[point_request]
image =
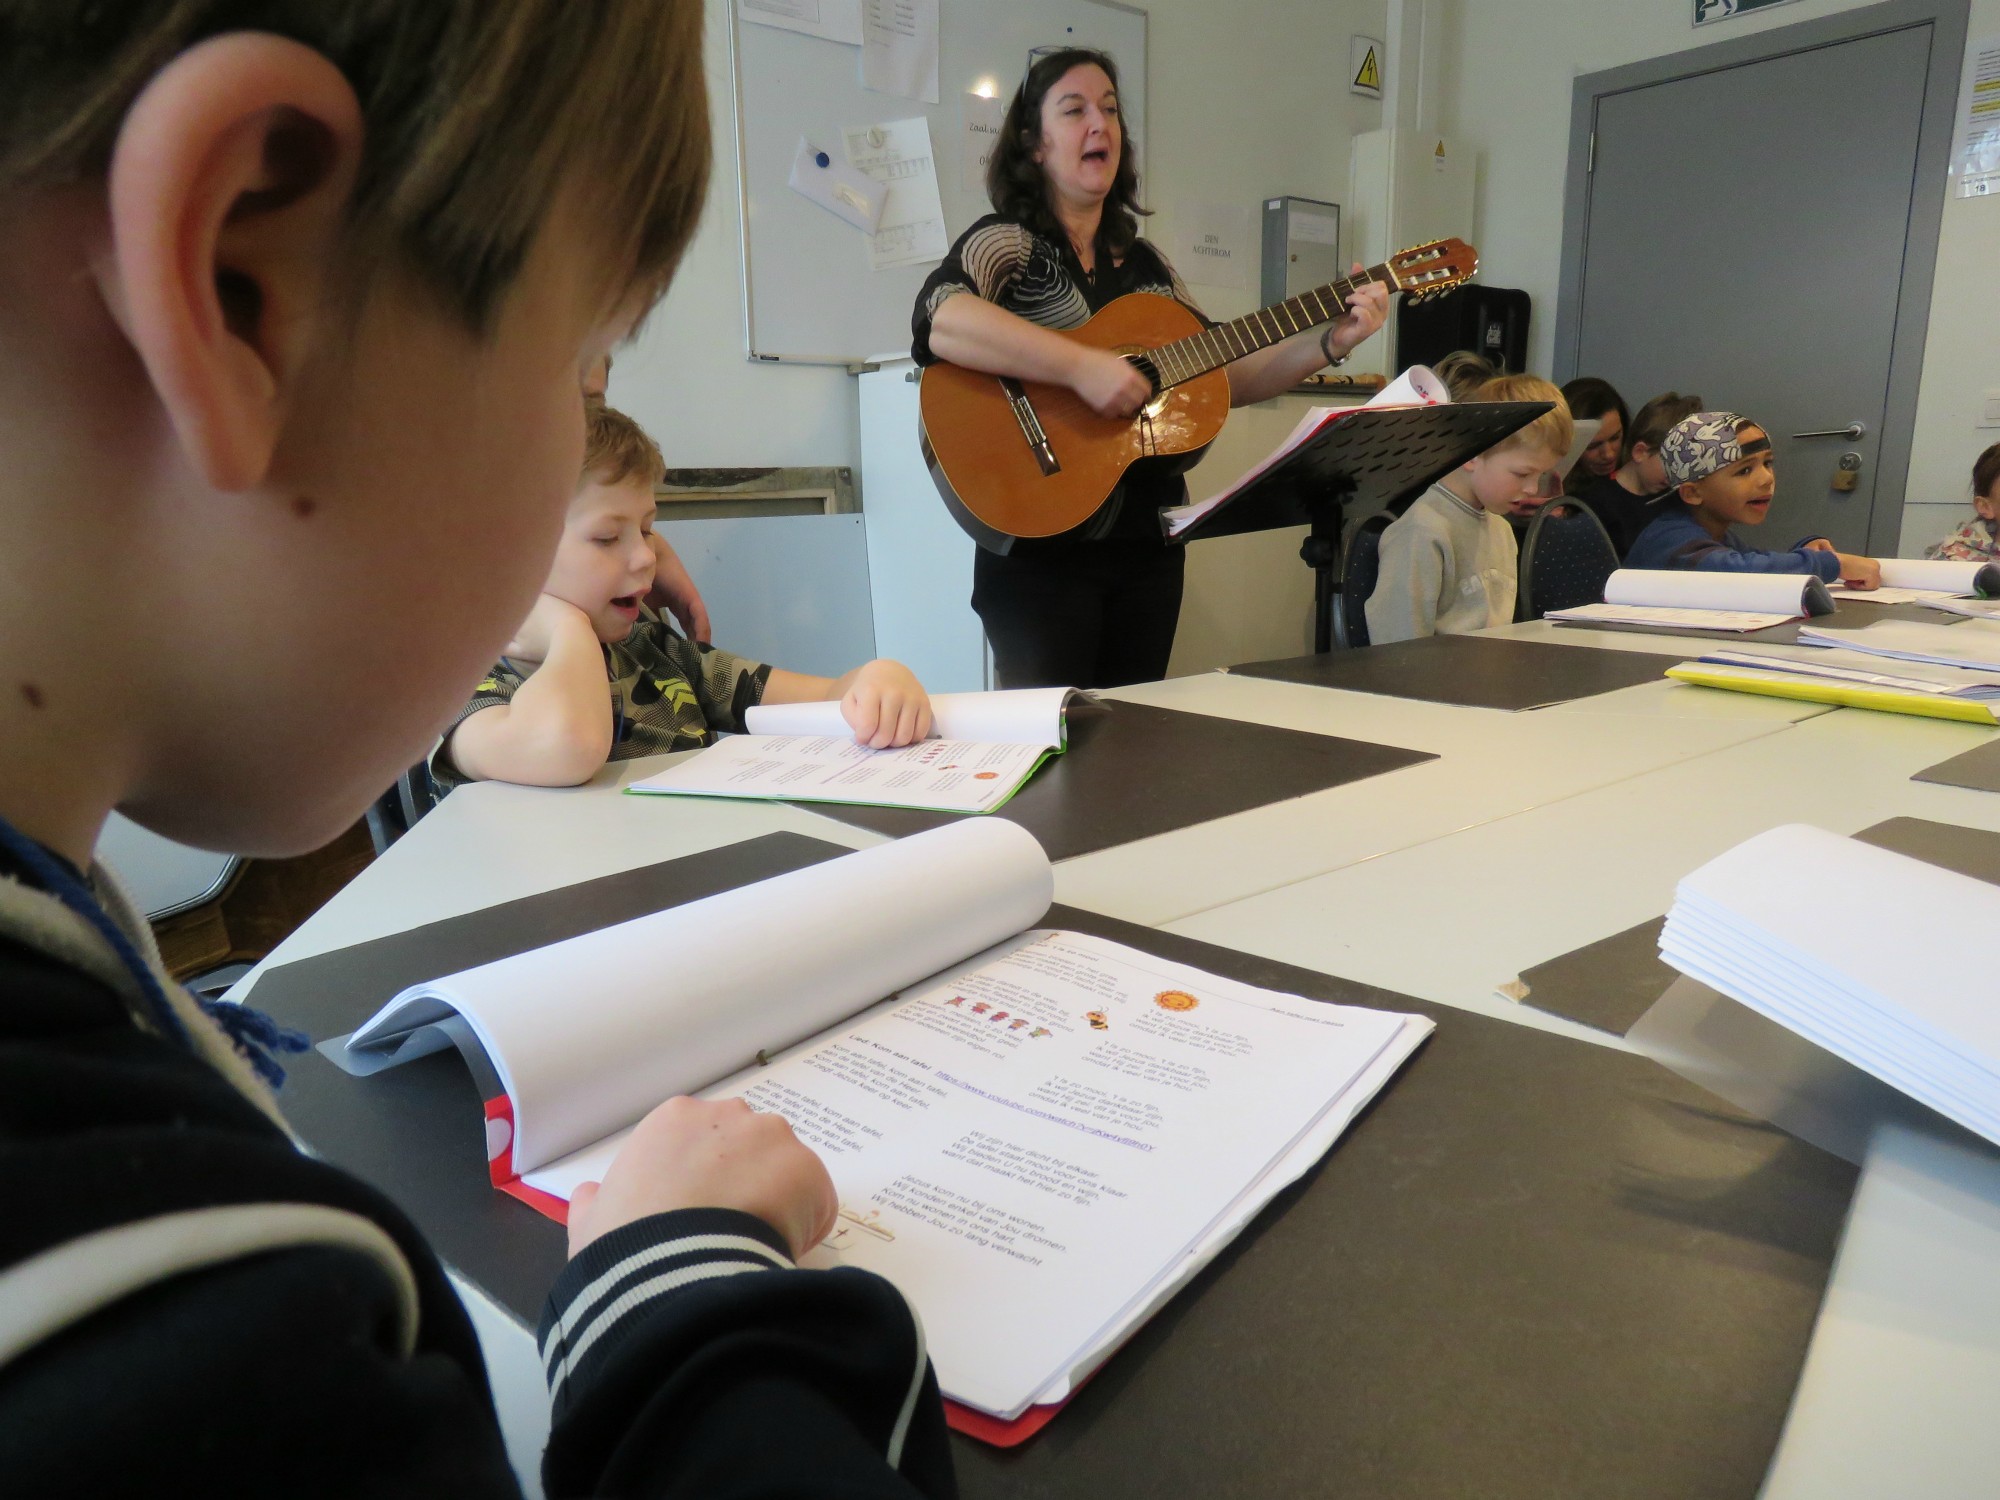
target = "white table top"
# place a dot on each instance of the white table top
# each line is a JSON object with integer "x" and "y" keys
{"x": 1516, "y": 891}
{"x": 1492, "y": 764}
{"x": 1533, "y": 834}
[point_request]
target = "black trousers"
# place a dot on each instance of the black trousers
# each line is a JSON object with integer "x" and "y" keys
{"x": 1080, "y": 614}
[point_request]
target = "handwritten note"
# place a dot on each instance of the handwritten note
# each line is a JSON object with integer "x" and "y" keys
{"x": 899, "y": 48}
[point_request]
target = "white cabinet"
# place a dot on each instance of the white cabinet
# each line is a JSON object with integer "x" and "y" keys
{"x": 919, "y": 562}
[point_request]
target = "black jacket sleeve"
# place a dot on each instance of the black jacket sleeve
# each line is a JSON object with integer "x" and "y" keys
{"x": 138, "y": 1358}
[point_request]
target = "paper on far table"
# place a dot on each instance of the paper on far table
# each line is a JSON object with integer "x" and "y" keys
{"x": 1787, "y": 594}
{"x": 1925, "y": 573}
{"x": 1887, "y": 595}
{"x": 899, "y": 48}
{"x": 829, "y": 20}
{"x": 897, "y": 153}
{"x": 937, "y": 775}
{"x": 1732, "y": 620}
{"x": 1976, "y": 643}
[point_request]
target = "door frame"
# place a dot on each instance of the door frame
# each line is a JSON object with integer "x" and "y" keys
{"x": 1948, "y": 21}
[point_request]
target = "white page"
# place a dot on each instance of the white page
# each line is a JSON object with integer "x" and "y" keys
{"x": 897, "y": 154}
{"x": 899, "y": 48}
{"x": 1922, "y": 573}
{"x": 1977, "y": 609}
{"x": 589, "y": 1034}
{"x": 1736, "y": 620}
{"x": 830, "y": 20}
{"x": 1976, "y": 643}
{"x": 1025, "y": 716}
{"x": 1885, "y": 595}
{"x": 1078, "y": 1163}
{"x": 1858, "y": 666}
{"x": 1686, "y": 588}
{"x": 935, "y": 775}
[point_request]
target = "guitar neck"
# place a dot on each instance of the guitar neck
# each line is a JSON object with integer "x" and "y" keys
{"x": 1215, "y": 347}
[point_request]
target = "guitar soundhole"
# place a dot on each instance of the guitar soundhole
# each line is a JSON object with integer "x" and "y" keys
{"x": 1143, "y": 363}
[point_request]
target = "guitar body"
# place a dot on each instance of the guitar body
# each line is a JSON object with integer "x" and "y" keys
{"x": 992, "y": 474}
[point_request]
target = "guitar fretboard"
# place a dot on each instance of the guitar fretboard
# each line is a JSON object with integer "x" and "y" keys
{"x": 1212, "y": 348}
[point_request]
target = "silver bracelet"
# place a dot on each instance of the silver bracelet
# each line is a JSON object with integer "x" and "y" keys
{"x": 1326, "y": 348}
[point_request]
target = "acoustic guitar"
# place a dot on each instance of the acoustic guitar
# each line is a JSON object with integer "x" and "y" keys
{"x": 1016, "y": 458}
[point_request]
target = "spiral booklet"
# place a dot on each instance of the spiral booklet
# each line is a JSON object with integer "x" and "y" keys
{"x": 1038, "y": 1136}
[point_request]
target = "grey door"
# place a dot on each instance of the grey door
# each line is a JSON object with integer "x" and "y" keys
{"x": 1746, "y": 232}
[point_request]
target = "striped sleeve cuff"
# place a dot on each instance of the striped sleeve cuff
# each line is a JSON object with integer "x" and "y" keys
{"x": 633, "y": 1267}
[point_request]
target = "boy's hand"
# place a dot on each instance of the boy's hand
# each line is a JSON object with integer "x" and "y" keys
{"x": 885, "y": 705}
{"x": 691, "y": 1153}
{"x": 1859, "y": 572}
{"x": 546, "y": 621}
{"x": 673, "y": 590}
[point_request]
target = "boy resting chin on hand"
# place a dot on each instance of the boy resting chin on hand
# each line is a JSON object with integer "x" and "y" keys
{"x": 594, "y": 674}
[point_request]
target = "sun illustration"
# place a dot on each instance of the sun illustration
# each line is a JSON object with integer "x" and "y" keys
{"x": 1175, "y": 1000}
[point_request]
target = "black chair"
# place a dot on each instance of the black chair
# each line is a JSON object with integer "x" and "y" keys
{"x": 396, "y": 811}
{"x": 1357, "y": 580}
{"x": 1565, "y": 560}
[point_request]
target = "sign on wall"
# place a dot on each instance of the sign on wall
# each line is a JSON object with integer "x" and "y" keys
{"x": 1726, "y": 10}
{"x": 1364, "y": 66}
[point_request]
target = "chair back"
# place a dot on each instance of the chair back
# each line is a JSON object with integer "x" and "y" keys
{"x": 1358, "y": 571}
{"x": 1565, "y": 560}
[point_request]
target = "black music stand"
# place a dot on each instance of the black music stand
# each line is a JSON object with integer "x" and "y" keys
{"x": 1371, "y": 455}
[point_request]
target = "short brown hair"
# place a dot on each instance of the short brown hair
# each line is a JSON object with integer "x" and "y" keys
{"x": 477, "y": 114}
{"x": 1659, "y": 417}
{"x": 616, "y": 448}
{"x": 1552, "y": 430}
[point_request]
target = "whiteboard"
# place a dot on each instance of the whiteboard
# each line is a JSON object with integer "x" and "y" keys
{"x": 808, "y": 293}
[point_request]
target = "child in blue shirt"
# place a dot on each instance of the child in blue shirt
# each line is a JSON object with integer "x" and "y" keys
{"x": 1719, "y": 465}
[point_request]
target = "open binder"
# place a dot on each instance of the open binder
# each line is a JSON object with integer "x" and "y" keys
{"x": 1365, "y": 458}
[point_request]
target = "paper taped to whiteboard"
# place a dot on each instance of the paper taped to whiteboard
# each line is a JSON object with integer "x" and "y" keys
{"x": 837, "y": 187}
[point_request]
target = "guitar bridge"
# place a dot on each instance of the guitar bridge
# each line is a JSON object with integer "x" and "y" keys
{"x": 1031, "y": 426}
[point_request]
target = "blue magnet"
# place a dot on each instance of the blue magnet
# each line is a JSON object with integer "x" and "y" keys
{"x": 823, "y": 159}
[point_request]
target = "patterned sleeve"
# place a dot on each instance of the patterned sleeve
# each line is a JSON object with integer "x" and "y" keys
{"x": 496, "y": 689}
{"x": 726, "y": 686}
{"x": 986, "y": 261}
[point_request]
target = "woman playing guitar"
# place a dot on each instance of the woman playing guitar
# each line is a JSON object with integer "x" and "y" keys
{"x": 1095, "y": 606}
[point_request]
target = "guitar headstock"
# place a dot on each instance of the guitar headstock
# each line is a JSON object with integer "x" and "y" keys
{"x": 1425, "y": 270}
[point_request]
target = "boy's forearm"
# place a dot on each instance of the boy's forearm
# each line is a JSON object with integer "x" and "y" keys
{"x": 803, "y": 687}
{"x": 555, "y": 731}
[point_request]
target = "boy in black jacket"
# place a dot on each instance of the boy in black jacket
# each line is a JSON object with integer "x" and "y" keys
{"x": 295, "y": 296}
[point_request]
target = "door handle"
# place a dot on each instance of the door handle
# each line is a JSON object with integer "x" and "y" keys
{"x": 1853, "y": 432}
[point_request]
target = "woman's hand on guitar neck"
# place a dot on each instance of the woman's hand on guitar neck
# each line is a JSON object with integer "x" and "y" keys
{"x": 1110, "y": 383}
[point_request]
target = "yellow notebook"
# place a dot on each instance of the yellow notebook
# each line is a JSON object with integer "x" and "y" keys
{"x": 1827, "y": 690}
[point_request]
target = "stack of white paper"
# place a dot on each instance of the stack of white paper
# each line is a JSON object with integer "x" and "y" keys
{"x": 1974, "y": 644}
{"x": 1881, "y": 959}
{"x": 1837, "y": 665}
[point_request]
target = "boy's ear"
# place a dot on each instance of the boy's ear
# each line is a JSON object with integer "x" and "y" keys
{"x": 227, "y": 192}
{"x": 1690, "y": 493}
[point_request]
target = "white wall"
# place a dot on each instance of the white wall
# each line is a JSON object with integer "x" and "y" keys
{"x": 1507, "y": 72}
{"x": 1246, "y": 99}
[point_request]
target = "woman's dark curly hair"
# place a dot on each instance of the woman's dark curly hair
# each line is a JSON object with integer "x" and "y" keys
{"x": 1015, "y": 181}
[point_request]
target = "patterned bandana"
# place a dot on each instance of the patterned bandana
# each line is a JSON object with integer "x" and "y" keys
{"x": 1704, "y": 444}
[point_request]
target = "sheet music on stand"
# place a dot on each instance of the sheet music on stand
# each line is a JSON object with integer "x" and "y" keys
{"x": 1367, "y": 458}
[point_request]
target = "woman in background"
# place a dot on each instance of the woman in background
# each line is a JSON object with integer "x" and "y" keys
{"x": 1096, "y": 606}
